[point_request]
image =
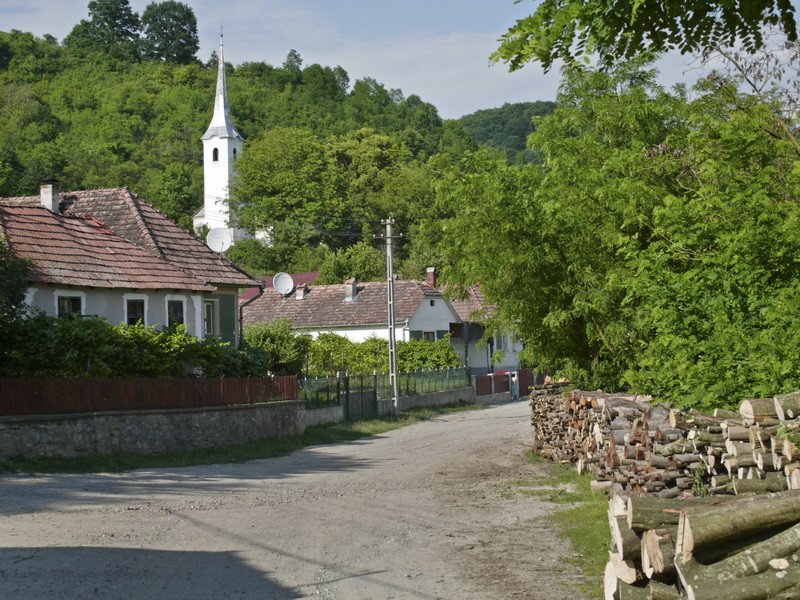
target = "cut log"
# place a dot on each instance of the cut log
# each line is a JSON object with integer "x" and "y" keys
{"x": 658, "y": 551}
{"x": 651, "y": 513}
{"x": 610, "y": 583}
{"x": 625, "y": 570}
{"x": 758, "y": 409}
{"x": 707, "y": 525}
{"x": 760, "y": 486}
{"x": 787, "y": 406}
{"x": 662, "y": 591}
{"x": 626, "y": 542}
{"x": 728, "y": 415}
{"x": 707, "y": 582}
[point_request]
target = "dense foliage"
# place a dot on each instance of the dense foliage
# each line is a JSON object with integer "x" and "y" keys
{"x": 13, "y": 271}
{"x": 331, "y": 353}
{"x": 507, "y": 128}
{"x": 326, "y": 158}
{"x": 293, "y": 352}
{"x": 655, "y": 248}
{"x": 624, "y": 29}
{"x": 42, "y": 346}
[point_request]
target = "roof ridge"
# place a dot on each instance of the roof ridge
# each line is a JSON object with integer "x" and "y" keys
{"x": 142, "y": 224}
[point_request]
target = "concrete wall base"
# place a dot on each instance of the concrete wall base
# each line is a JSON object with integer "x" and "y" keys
{"x": 148, "y": 431}
{"x": 321, "y": 416}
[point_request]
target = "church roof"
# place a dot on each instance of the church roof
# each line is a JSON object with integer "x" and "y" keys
{"x": 130, "y": 217}
{"x": 221, "y": 122}
{"x": 81, "y": 251}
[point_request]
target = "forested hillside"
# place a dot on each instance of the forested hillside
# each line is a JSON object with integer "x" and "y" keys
{"x": 507, "y": 128}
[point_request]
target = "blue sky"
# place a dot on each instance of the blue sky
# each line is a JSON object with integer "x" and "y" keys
{"x": 437, "y": 49}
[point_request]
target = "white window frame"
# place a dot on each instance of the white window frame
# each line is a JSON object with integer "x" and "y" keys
{"x": 126, "y": 297}
{"x": 172, "y": 298}
{"x": 429, "y": 336}
{"x": 215, "y": 329}
{"x": 58, "y": 293}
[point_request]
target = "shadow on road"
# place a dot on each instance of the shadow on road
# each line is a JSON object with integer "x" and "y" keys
{"x": 130, "y": 574}
{"x": 32, "y": 493}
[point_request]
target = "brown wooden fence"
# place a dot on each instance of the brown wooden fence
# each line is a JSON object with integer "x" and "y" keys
{"x": 45, "y": 396}
{"x": 483, "y": 385}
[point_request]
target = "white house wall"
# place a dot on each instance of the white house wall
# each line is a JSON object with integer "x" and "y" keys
{"x": 111, "y": 305}
{"x": 432, "y": 318}
{"x": 360, "y": 334}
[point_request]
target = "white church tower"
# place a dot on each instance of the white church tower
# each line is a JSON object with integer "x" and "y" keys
{"x": 221, "y": 146}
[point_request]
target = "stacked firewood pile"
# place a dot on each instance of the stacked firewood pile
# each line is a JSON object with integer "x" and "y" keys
{"x": 634, "y": 446}
{"x": 725, "y": 548}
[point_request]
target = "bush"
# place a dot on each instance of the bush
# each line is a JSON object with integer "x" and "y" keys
{"x": 43, "y": 346}
{"x": 331, "y": 353}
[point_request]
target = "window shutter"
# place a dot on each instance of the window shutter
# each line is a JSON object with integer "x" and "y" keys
{"x": 416, "y": 334}
{"x": 440, "y": 333}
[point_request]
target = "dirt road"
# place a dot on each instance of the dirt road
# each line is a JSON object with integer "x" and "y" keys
{"x": 414, "y": 513}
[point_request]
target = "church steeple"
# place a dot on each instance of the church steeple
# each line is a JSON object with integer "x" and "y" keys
{"x": 222, "y": 144}
{"x": 221, "y": 123}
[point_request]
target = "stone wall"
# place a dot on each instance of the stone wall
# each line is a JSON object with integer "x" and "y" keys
{"x": 148, "y": 431}
{"x": 465, "y": 394}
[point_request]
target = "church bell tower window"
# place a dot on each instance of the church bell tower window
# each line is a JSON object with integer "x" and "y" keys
{"x": 215, "y": 154}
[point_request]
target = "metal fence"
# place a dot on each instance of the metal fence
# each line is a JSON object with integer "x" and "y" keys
{"x": 47, "y": 395}
{"x": 322, "y": 392}
{"x": 424, "y": 382}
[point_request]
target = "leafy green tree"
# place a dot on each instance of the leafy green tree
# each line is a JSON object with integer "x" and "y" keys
{"x": 622, "y": 30}
{"x": 112, "y": 28}
{"x": 13, "y": 285}
{"x": 287, "y": 178}
{"x": 362, "y": 261}
{"x": 543, "y": 241}
{"x": 287, "y": 349}
{"x": 169, "y": 32}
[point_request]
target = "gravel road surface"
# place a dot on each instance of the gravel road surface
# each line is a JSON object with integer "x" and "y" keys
{"x": 414, "y": 513}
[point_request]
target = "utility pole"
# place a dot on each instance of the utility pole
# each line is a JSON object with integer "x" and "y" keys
{"x": 390, "y": 302}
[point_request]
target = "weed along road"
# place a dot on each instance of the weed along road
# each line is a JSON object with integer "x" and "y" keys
{"x": 414, "y": 513}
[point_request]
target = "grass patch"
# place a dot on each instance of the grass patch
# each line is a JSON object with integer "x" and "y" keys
{"x": 268, "y": 448}
{"x": 584, "y": 523}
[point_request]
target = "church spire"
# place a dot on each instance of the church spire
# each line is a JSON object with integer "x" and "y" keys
{"x": 221, "y": 123}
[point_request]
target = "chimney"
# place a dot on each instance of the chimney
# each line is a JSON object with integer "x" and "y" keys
{"x": 49, "y": 196}
{"x": 301, "y": 291}
{"x": 431, "y": 277}
{"x": 350, "y": 289}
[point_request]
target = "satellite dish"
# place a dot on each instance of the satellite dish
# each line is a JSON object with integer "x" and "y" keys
{"x": 219, "y": 239}
{"x": 284, "y": 283}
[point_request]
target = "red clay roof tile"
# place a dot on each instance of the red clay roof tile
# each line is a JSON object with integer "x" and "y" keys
{"x": 75, "y": 251}
{"x": 325, "y": 305}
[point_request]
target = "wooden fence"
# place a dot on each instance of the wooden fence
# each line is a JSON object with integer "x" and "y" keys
{"x": 45, "y": 396}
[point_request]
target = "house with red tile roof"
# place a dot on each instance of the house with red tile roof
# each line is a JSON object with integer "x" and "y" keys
{"x": 357, "y": 310}
{"x": 110, "y": 253}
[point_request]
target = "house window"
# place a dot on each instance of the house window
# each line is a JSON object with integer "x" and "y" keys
{"x": 500, "y": 343}
{"x": 215, "y": 154}
{"x": 211, "y": 317}
{"x": 175, "y": 313}
{"x": 134, "y": 312}
{"x": 69, "y": 306}
{"x": 429, "y": 336}
{"x": 433, "y": 302}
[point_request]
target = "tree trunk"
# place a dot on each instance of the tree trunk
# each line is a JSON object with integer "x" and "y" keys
{"x": 703, "y": 582}
{"x": 711, "y": 524}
